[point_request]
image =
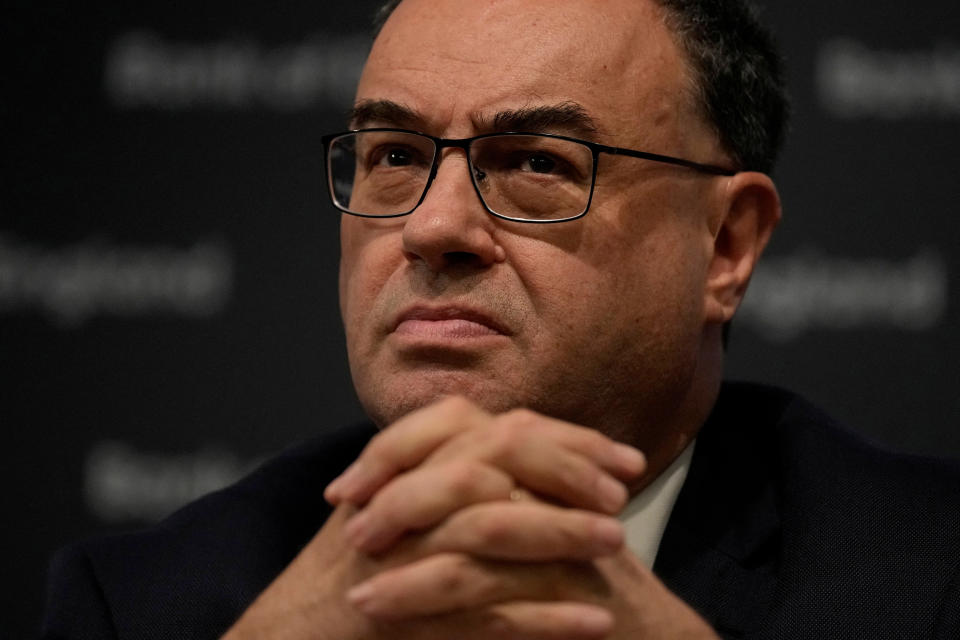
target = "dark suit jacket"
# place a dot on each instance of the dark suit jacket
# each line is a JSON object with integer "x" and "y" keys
{"x": 786, "y": 527}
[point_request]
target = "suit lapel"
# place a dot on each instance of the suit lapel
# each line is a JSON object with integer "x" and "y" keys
{"x": 720, "y": 548}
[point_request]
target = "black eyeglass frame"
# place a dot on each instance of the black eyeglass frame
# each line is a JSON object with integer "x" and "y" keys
{"x": 440, "y": 144}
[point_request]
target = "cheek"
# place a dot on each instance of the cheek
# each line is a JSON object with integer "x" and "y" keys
{"x": 367, "y": 260}
{"x": 649, "y": 281}
{"x": 676, "y": 279}
{"x": 666, "y": 247}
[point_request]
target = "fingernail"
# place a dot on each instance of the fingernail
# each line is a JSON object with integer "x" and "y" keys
{"x": 612, "y": 494}
{"x": 361, "y": 594}
{"x": 609, "y": 533}
{"x": 629, "y": 458}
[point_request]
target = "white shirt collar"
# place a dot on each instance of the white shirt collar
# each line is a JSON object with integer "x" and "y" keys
{"x": 645, "y": 516}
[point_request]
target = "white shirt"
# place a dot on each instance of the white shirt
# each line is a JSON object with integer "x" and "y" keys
{"x": 645, "y": 516}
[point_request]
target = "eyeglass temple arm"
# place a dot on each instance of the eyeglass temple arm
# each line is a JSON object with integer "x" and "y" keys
{"x": 656, "y": 157}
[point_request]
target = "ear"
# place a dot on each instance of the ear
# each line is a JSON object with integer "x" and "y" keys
{"x": 749, "y": 210}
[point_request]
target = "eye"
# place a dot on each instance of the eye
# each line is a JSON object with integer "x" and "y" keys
{"x": 539, "y": 163}
{"x": 396, "y": 157}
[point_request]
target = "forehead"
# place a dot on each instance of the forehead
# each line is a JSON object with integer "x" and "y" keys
{"x": 454, "y": 60}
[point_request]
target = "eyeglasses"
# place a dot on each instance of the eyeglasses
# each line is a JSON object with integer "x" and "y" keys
{"x": 526, "y": 177}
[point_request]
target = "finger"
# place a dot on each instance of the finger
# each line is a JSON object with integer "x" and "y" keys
{"x": 526, "y": 531}
{"x": 455, "y": 427}
{"x": 422, "y": 498}
{"x": 401, "y": 446}
{"x": 514, "y": 620}
{"x": 532, "y": 455}
{"x": 621, "y": 460}
{"x": 550, "y": 621}
{"x": 444, "y": 583}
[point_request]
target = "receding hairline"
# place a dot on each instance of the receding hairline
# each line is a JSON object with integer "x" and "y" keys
{"x": 733, "y": 84}
{"x": 690, "y": 86}
{"x": 689, "y": 83}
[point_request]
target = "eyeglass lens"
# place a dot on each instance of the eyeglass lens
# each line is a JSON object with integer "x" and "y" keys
{"x": 526, "y": 177}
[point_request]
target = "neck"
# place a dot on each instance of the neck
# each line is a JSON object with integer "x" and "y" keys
{"x": 692, "y": 411}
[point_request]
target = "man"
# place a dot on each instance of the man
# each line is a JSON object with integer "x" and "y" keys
{"x": 552, "y": 211}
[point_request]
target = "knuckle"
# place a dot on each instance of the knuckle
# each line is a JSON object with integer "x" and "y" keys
{"x": 455, "y": 405}
{"x": 491, "y": 530}
{"x": 576, "y": 476}
{"x": 506, "y": 434}
{"x": 465, "y": 478}
{"x": 523, "y": 418}
{"x": 453, "y": 575}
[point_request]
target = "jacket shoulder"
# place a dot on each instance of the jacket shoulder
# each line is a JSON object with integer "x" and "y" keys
{"x": 862, "y": 537}
{"x": 192, "y": 574}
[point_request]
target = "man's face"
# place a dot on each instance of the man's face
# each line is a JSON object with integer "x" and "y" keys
{"x": 598, "y": 320}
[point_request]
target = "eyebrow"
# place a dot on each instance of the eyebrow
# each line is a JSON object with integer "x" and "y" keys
{"x": 384, "y": 112}
{"x": 567, "y": 117}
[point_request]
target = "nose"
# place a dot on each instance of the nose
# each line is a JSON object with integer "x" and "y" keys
{"x": 451, "y": 227}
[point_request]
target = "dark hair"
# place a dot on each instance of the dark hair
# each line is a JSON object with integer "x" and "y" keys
{"x": 738, "y": 75}
{"x": 737, "y": 71}
{"x": 380, "y": 17}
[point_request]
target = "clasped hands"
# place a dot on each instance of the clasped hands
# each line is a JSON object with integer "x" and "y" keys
{"x": 455, "y": 523}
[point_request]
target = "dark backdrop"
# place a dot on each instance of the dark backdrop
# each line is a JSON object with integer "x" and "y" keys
{"x": 168, "y": 259}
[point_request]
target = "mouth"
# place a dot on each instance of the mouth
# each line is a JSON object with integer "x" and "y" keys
{"x": 446, "y": 323}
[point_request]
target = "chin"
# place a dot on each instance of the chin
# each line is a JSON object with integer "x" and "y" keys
{"x": 385, "y": 403}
